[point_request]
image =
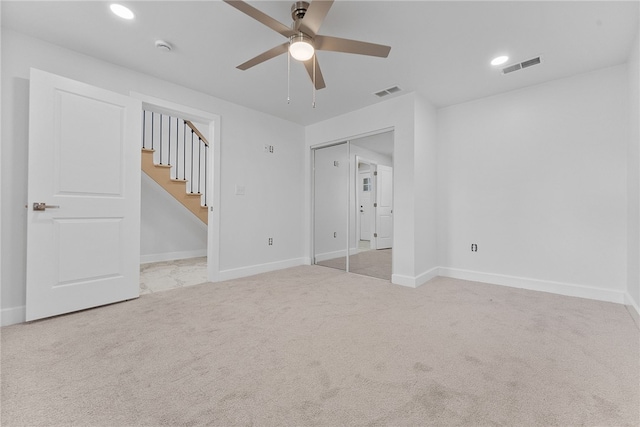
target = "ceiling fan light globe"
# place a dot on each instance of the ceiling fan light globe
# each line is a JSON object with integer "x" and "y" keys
{"x": 301, "y": 50}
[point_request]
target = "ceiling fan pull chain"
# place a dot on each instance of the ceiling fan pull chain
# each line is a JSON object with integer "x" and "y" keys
{"x": 288, "y": 78}
{"x": 314, "y": 81}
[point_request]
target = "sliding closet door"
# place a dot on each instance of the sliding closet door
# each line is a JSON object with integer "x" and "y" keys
{"x": 371, "y": 236}
{"x": 331, "y": 205}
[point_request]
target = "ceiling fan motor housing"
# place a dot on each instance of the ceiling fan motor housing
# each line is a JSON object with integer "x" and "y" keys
{"x": 299, "y": 9}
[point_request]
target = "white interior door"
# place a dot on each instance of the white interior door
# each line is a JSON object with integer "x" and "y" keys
{"x": 384, "y": 207}
{"x": 365, "y": 187}
{"x": 84, "y": 161}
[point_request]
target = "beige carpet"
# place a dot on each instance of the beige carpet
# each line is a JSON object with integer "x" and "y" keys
{"x": 373, "y": 263}
{"x": 312, "y": 346}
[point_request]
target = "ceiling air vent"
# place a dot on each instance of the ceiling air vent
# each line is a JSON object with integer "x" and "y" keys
{"x": 531, "y": 62}
{"x": 526, "y": 64}
{"x": 511, "y": 69}
{"x": 388, "y": 91}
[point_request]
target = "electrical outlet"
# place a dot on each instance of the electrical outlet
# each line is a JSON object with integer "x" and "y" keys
{"x": 270, "y": 241}
{"x": 474, "y": 247}
{"x": 268, "y": 149}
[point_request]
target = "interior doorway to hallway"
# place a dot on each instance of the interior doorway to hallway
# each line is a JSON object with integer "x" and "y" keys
{"x": 178, "y": 226}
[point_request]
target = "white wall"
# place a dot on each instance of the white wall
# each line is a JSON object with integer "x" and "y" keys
{"x": 168, "y": 230}
{"x": 633, "y": 180}
{"x": 537, "y": 179}
{"x": 365, "y": 153}
{"x": 271, "y": 207}
{"x": 425, "y": 188}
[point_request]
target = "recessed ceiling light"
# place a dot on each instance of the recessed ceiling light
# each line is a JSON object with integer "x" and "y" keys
{"x": 499, "y": 60}
{"x": 121, "y": 11}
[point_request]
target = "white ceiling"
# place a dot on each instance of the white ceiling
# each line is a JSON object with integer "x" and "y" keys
{"x": 439, "y": 49}
{"x": 381, "y": 143}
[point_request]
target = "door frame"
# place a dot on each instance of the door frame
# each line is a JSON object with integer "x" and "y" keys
{"x": 376, "y": 186}
{"x": 213, "y": 180}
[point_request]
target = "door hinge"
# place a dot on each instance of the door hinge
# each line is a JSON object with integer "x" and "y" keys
{"x": 375, "y": 234}
{"x": 375, "y": 173}
{"x": 375, "y": 205}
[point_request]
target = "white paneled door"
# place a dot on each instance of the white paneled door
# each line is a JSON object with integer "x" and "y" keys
{"x": 83, "y": 240}
{"x": 384, "y": 207}
{"x": 365, "y": 209}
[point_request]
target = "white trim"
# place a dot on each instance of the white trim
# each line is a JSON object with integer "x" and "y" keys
{"x": 331, "y": 255}
{"x": 214, "y": 189}
{"x": 349, "y": 138}
{"x": 568, "y": 289}
{"x": 13, "y": 315}
{"x": 399, "y": 279}
{"x": 632, "y": 308}
{"x": 414, "y": 282}
{"x": 336, "y": 254}
{"x": 251, "y": 270}
{"x": 171, "y": 256}
{"x": 164, "y": 106}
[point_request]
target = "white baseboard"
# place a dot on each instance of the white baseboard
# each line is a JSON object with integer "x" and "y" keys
{"x": 236, "y": 273}
{"x": 568, "y": 289}
{"x": 632, "y": 308}
{"x": 336, "y": 254}
{"x": 13, "y": 315}
{"x": 170, "y": 256}
{"x": 330, "y": 255}
{"x": 414, "y": 282}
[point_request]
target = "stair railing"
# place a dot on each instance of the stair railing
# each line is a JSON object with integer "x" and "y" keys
{"x": 178, "y": 144}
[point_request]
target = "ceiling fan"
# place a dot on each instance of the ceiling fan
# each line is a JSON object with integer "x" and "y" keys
{"x": 303, "y": 37}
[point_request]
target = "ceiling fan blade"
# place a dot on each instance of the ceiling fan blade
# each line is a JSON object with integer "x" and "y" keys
{"x": 271, "y": 53}
{"x": 335, "y": 44}
{"x": 261, "y": 17}
{"x": 319, "y": 79}
{"x": 314, "y": 17}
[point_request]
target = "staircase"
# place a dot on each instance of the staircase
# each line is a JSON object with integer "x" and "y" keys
{"x": 174, "y": 154}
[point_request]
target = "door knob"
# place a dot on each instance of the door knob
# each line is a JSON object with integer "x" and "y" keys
{"x": 43, "y": 206}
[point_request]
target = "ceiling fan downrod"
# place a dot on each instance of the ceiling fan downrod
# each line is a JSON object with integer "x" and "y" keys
{"x": 298, "y": 10}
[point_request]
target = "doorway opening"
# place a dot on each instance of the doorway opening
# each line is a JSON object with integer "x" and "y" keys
{"x": 353, "y": 205}
{"x": 179, "y": 155}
